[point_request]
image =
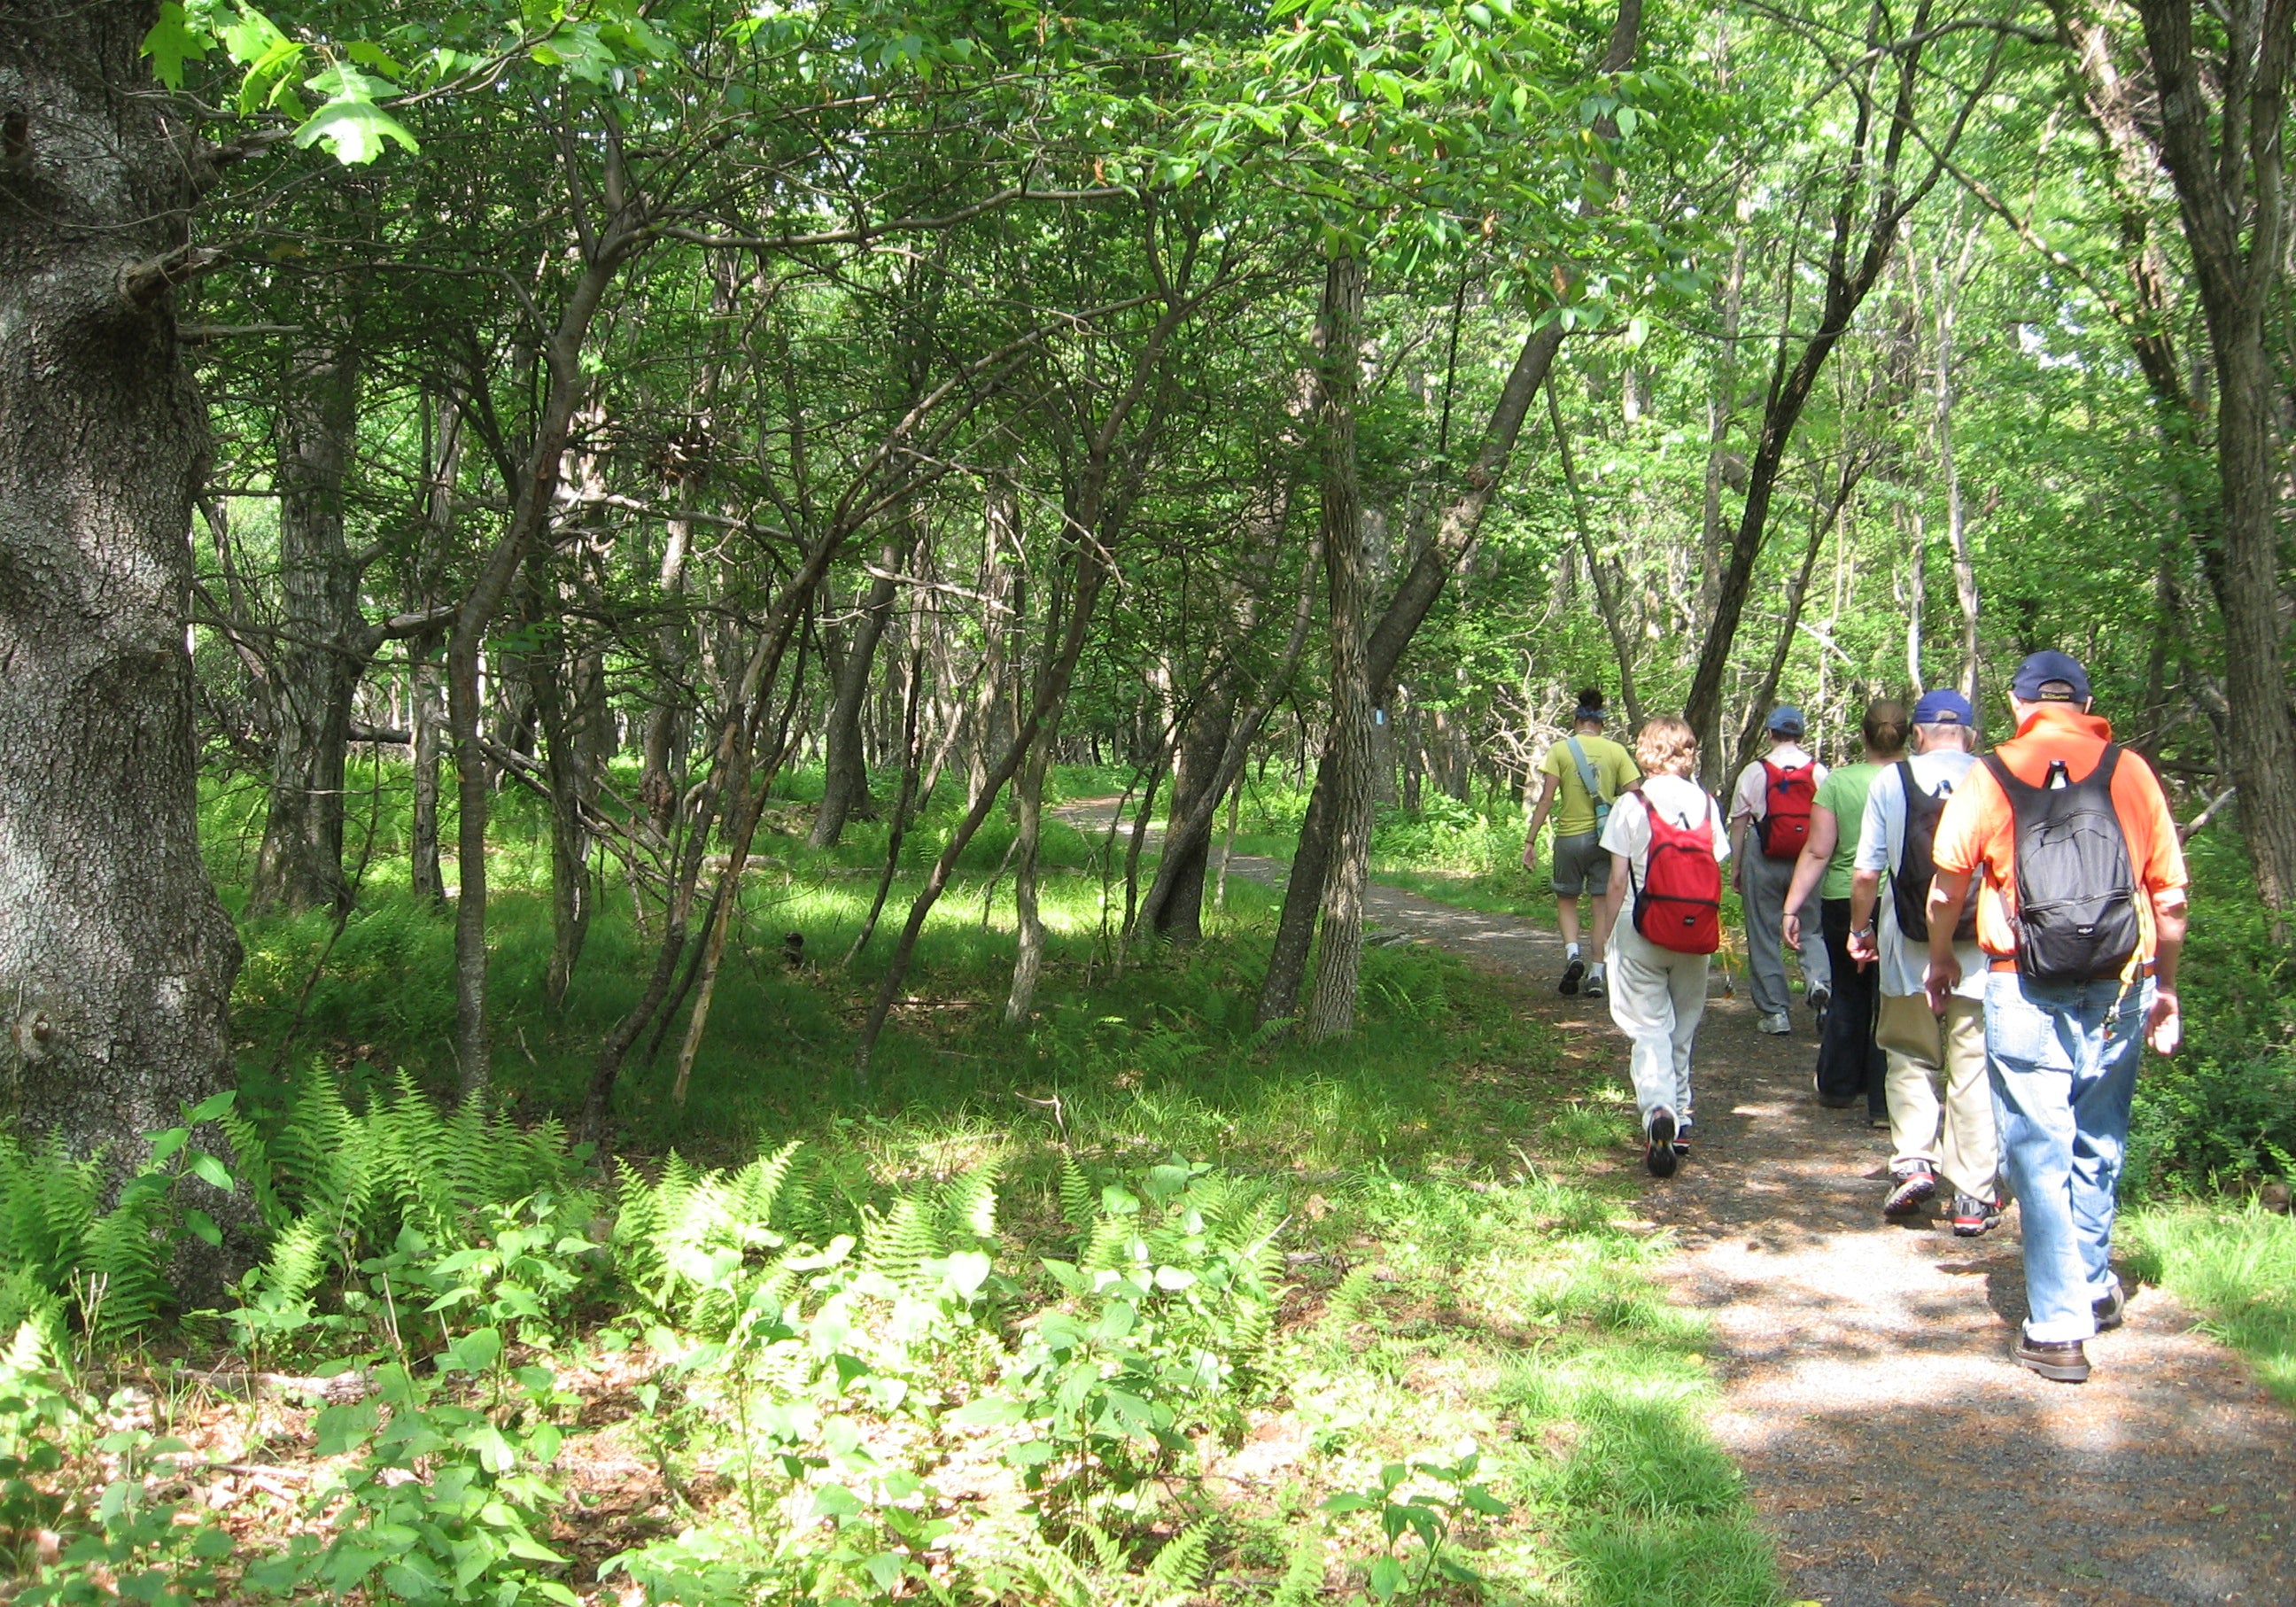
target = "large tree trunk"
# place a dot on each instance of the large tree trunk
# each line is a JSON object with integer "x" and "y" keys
{"x": 116, "y": 959}
{"x": 1348, "y": 755}
{"x": 845, "y": 775}
{"x": 2229, "y": 178}
{"x": 324, "y": 642}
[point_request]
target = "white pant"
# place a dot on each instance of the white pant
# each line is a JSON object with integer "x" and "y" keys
{"x": 1657, "y": 997}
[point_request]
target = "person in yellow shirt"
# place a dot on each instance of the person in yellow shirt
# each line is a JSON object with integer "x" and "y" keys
{"x": 1585, "y": 772}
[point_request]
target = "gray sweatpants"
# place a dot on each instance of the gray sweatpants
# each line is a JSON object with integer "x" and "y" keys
{"x": 1762, "y": 885}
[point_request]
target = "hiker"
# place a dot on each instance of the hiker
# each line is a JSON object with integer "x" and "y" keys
{"x": 1771, "y": 803}
{"x": 1849, "y": 1066}
{"x": 2081, "y": 915}
{"x": 1667, "y": 841}
{"x": 1586, "y": 773}
{"x": 1927, "y": 1139}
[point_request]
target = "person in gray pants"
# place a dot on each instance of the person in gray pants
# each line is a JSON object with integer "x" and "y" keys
{"x": 1763, "y": 877}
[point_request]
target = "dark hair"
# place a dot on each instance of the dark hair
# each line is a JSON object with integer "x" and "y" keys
{"x": 1590, "y": 697}
{"x": 1885, "y": 725}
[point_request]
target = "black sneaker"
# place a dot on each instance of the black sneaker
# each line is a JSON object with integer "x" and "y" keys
{"x": 1819, "y": 997}
{"x": 1595, "y": 989}
{"x": 1658, "y": 1151}
{"x": 1572, "y": 973}
{"x": 2063, "y": 1360}
{"x": 1909, "y": 1191}
{"x": 1972, "y": 1217}
{"x": 2111, "y": 1309}
{"x": 1681, "y": 1140}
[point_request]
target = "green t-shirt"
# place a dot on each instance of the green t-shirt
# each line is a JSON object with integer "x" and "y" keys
{"x": 1843, "y": 791}
{"x": 1614, "y": 772}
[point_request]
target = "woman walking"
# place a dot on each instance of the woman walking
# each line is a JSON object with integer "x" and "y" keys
{"x": 1851, "y": 1065}
{"x": 1667, "y": 840}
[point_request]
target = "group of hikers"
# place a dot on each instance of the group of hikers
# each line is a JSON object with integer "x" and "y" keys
{"x": 1995, "y": 939}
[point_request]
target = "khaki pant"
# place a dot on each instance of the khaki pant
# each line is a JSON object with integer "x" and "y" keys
{"x": 1656, "y": 999}
{"x": 1922, "y": 1051}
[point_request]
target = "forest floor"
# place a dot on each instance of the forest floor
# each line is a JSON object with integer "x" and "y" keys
{"x": 1896, "y": 1452}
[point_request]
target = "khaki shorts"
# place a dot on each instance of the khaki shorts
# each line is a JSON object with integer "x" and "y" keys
{"x": 1582, "y": 864}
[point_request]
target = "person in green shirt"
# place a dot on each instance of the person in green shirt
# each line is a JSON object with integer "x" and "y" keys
{"x": 1850, "y": 1062}
{"x": 1585, "y": 774}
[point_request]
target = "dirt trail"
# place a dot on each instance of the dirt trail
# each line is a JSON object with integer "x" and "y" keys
{"x": 1898, "y": 1455}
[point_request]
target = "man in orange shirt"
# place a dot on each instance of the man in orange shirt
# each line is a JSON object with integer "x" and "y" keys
{"x": 2081, "y": 917}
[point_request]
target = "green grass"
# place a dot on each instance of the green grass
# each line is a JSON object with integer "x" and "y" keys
{"x": 1457, "y": 1202}
{"x": 2236, "y": 1266}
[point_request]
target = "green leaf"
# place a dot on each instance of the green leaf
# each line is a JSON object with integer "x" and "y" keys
{"x": 1386, "y": 1578}
{"x": 171, "y": 43}
{"x": 988, "y": 1412}
{"x": 210, "y": 1172}
{"x": 167, "y": 1143}
{"x": 202, "y": 1227}
{"x": 354, "y": 131}
{"x": 211, "y": 1107}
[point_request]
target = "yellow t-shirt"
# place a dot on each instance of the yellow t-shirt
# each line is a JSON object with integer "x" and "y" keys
{"x": 1614, "y": 771}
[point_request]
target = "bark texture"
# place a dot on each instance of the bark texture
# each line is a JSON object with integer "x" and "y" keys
{"x": 2228, "y": 162}
{"x": 116, "y": 959}
{"x": 1348, "y": 756}
{"x": 324, "y": 642}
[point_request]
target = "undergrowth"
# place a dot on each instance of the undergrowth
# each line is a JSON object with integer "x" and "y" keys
{"x": 1137, "y": 1305}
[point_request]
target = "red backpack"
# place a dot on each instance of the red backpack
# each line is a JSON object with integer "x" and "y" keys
{"x": 1679, "y": 903}
{"x": 1785, "y": 810}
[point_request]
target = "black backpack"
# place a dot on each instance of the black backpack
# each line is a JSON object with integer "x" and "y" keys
{"x": 2076, "y": 917}
{"x": 1909, "y": 884}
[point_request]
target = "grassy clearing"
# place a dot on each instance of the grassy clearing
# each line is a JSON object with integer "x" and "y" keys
{"x": 1132, "y": 1306}
{"x": 2236, "y": 1266}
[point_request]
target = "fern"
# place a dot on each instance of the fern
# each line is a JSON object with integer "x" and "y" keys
{"x": 1079, "y": 1196}
{"x": 1178, "y": 1565}
{"x": 1302, "y": 1584}
{"x": 897, "y": 1244}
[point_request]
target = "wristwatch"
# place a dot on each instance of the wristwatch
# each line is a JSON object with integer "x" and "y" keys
{"x": 1861, "y": 931}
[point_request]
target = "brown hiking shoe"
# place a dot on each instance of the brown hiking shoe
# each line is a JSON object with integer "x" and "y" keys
{"x": 2063, "y": 1360}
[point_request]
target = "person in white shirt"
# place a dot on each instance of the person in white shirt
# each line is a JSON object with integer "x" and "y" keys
{"x": 1658, "y": 994}
{"x": 1924, "y": 1051}
{"x": 1762, "y": 881}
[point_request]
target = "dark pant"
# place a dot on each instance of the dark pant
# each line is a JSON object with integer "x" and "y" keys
{"x": 1850, "y": 1062}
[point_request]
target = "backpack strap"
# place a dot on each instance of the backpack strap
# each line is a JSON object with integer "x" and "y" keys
{"x": 1905, "y": 768}
{"x": 1587, "y": 777}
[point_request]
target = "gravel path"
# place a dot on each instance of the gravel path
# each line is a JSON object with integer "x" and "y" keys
{"x": 1894, "y": 1450}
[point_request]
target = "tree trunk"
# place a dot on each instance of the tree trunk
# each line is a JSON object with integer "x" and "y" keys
{"x": 661, "y": 773}
{"x": 1028, "y": 953}
{"x": 116, "y": 958}
{"x": 845, "y": 775}
{"x": 1196, "y": 788}
{"x": 422, "y": 848}
{"x": 1349, "y": 753}
{"x": 2229, "y": 184}
{"x": 324, "y": 642}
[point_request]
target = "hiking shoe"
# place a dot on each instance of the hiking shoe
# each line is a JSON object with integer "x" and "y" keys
{"x": 1909, "y": 1191}
{"x": 1658, "y": 1152}
{"x": 1973, "y": 1216}
{"x": 1778, "y": 1025}
{"x": 2063, "y": 1360}
{"x": 2111, "y": 1307}
{"x": 1681, "y": 1140}
{"x": 1820, "y": 997}
{"x": 1595, "y": 989}
{"x": 1572, "y": 975}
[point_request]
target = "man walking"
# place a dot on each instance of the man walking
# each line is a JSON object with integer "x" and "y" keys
{"x": 2081, "y": 917}
{"x": 1586, "y": 773}
{"x": 1771, "y": 804}
{"x": 1891, "y": 928}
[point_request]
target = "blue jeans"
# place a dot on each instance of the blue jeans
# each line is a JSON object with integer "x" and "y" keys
{"x": 2063, "y": 1061}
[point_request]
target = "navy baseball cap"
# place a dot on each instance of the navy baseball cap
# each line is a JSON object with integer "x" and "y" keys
{"x": 1786, "y": 720}
{"x": 1944, "y": 707}
{"x": 2040, "y": 668}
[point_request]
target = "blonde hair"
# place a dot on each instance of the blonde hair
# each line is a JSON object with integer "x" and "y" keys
{"x": 1667, "y": 746}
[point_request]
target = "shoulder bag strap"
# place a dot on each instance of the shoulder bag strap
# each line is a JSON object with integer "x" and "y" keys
{"x": 1587, "y": 778}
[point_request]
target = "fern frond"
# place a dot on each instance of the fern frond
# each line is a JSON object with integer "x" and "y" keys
{"x": 1079, "y": 1196}
{"x": 1179, "y": 1563}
